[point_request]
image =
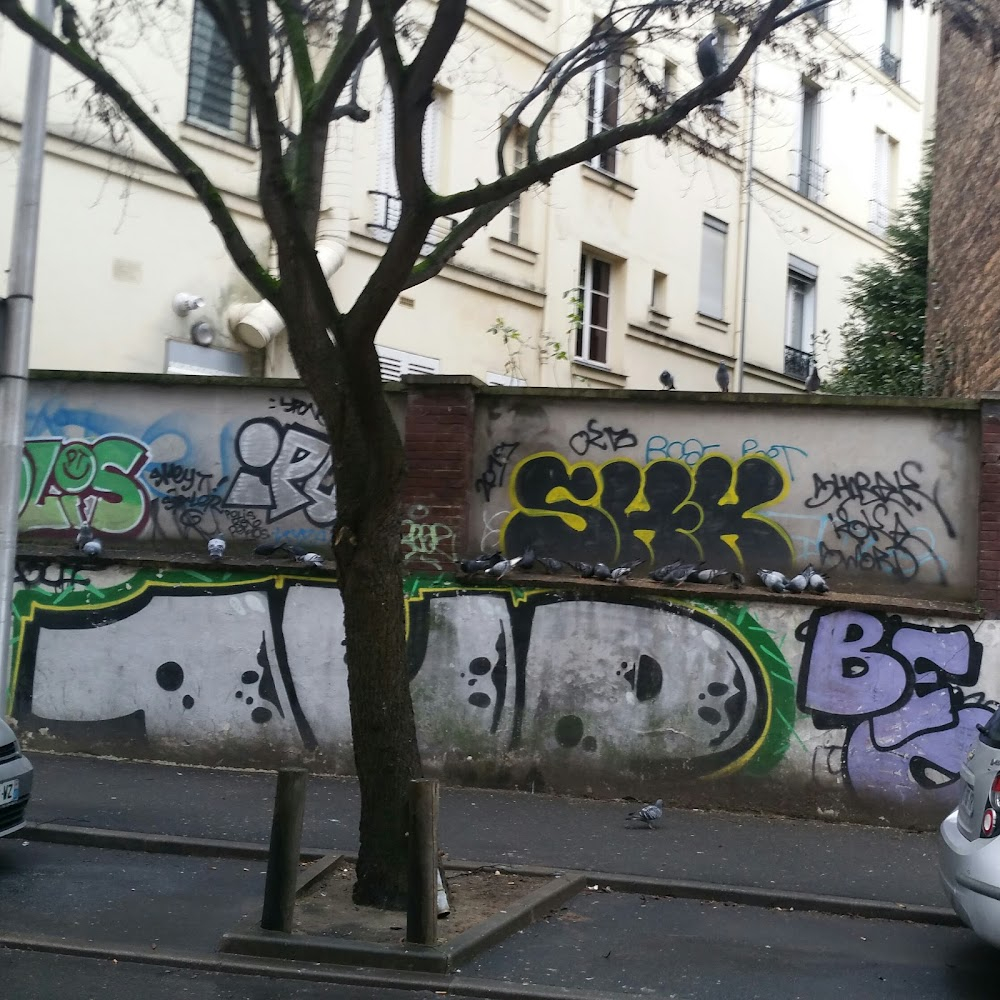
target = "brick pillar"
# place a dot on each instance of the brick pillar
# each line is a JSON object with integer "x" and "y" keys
{"x": 440, "y": 423}
{"x": 988, "y": 588}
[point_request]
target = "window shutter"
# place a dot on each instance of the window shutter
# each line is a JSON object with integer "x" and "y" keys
{"x": 882, "y": 168}
{"x": 711, "y": 290}
{"x": 216, "y": 95}
{"x": 395, "y": 364}
{"x": 431, "y": 141}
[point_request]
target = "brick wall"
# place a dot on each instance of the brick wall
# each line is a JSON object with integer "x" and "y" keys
{"x": 963, "y": 317}
{"x": 440, "y": 421}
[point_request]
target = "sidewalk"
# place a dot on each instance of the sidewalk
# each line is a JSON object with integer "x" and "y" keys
{"x": 504, "y": 827}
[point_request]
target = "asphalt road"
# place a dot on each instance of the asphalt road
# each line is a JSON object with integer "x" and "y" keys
{"x": 504, "y": 827}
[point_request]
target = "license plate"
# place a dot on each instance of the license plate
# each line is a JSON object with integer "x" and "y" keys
{"x": 968, "y": 800}
{"x": 9, "y": 791}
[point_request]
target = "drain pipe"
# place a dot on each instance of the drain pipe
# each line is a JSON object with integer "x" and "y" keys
{"x": 257, "y": 324}
{"x": 15, "y": 331}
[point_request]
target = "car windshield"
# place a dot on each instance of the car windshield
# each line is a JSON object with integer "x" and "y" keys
{"x": 991, "y": 731}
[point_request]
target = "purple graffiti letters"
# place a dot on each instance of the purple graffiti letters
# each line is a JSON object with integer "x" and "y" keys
{"x": 902, "y": 693}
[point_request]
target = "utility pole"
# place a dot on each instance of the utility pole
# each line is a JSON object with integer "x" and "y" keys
{"x": 15, "y": 330}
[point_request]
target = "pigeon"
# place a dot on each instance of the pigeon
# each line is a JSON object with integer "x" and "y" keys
{"x": 816, "y": 582}
{"x": 649, "y": 814}
{"x": 679, "y": 573}
{"x": 797, "y": 583}
{"x": 216, "y": 548}
{"x": 737, "y": 580}
{"x": 268, "y": 548}
{"x": 660, "y": 575}
{"x": 707, "y": 575}
{"x": 707, "y": 55}
{"x": 620, "y": 573}
{"x": 813, "y": 382}
{"x": 480, "y": 563}
{"x": 602, "y": 571}
{"x": 666, "y": 379}
{"x": 295, "y": 550}
{"x": 550, "y": 565}
{"x": 310, "y": 559}
{"x": 773, "y": 580}
{"x": 92, "y": 547}
{"x": 584, "y": 569}
{"x": 84, "y": 535}
{"x": 722, "y": 377}
{"x": 503, "y": 567}
{"x": 527, "y": 558}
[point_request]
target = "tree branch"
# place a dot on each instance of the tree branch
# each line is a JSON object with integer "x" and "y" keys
{"x": 447, "y": 23}
{"x": 73, "y": 53}
{"x": 298, "y": 46}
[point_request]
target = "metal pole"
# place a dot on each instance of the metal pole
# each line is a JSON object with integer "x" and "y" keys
{"x": 16, "y": 338}
{"x": 285, "y": 851}
{"x": 741, "y": 337}
{"x": 421, "y": 889}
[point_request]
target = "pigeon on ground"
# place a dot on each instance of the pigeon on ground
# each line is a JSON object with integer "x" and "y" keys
{"x": 503, "y": 567}
{"x": 773, "y": 580}
{"x": 602, "y": 571}
{"x": 584, "y": 569}
{"x": 722, "y": 377}
{"x": 310, "y": 559}
{"x": 660, "y": 575}
{"x": 813, "y": 382}
{"x": 817, "y": 583}
{"x": 216, "y": 548}
{"x": 708, "y": 575}
{"x": 549, "y": 564}
{"x": 93, "y": 547}
{"x": 84, "y": 535}
{"x": 666, "y": 379}
{"x": 648, "y": 814}
{"x": 620, "y": 573}
{"x": 707, "y": 56}
{"x": 797, "y": 583}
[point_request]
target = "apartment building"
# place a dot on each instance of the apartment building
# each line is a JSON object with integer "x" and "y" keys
{"x": 729, "y": 242}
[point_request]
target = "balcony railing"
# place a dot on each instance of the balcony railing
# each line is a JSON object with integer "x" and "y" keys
{"x": 798, "y": 364}
{"x": 889, "y": 63}
{"x": 808, "y": 176}
{"x": 879, "y": 216}
{"x": 386, "y": 210}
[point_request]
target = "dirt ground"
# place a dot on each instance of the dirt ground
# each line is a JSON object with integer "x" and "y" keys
{"x": 327, "y": 909}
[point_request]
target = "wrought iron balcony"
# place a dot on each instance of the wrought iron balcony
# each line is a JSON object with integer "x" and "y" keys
{"x": 386, "y": 210}
{"x": 879, "y": 216}
{"x": 889, "y": 63}
{"x": 808, "y": 176}
{"x": 798, "y": 364}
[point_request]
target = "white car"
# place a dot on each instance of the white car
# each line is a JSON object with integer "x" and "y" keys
{"x": 969, "y": 845}
{"x": 15, "y": 782}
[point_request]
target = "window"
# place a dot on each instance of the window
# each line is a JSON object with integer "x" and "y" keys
{"x": 395, "y": 364}
{"x": 881, "y": 203}
{"x": 217, "y": 96}
{"x": 811, "y": 176}
{"x": 800, "y": 317}
{"x": 386, "y": 202}
{"x": 519, "y": 157}
{"x": 890, "y": 61}
{"x": 595, "y": 309}
{"x": 603, "y": 103}
{"x": 712, "y": 286}
{"x": 658, "y": 292}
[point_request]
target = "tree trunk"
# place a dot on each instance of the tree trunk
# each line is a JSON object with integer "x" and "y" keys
{"x": 369, "y": 465}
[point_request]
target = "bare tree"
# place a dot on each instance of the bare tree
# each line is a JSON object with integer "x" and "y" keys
{"x": 315, "y": 50}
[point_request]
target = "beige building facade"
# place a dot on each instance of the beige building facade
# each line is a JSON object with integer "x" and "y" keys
{"x": 729, "y": 242}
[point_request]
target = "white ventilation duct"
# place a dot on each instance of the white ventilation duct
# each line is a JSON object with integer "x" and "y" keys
{"x": 258, "y": 324}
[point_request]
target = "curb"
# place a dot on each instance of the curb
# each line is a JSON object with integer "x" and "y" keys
{"x": 77, "y": 836}
{"x": 488, "y": 989}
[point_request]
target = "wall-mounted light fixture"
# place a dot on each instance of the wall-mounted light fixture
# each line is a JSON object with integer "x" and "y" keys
{"x": 202, "y": 333}
{"x": 185, "y": 303}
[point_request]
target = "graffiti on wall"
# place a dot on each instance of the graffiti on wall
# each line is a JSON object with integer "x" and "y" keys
{"x": 716, "y": 510}
{"x": 882, "y": 521}
{"x": 904, "y": 694}
{"x": 263, "y": 656}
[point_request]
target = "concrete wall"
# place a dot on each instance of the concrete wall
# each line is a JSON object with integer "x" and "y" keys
{"x": 884, "y": 498}
{"x": 174, "y": 462}
{"x": 789, "y": 705}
